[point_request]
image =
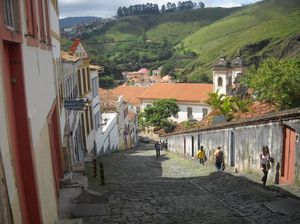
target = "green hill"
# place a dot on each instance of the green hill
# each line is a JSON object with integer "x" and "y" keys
{"x": 192, "y": 41}
{"x": 170, "y": 26}
{"x": 266, "y": 29}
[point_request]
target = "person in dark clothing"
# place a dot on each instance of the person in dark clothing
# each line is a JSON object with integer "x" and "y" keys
{"x": 265, "y": 160}
{"x": 157, "y": 149}
{"x": 219, "y": 157}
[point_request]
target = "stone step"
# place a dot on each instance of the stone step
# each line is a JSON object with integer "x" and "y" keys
{"x": 69, "y": 221}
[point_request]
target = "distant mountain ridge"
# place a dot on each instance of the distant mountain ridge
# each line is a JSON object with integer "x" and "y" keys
{"x": 197, "y": 38}
{"x": 71, "y": 21}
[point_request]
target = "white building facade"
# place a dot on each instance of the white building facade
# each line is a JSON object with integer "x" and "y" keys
{"x": 30, "y": 144}
{"x": 225, "y": 74}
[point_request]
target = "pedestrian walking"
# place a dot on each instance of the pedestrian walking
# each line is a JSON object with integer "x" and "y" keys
{"x": 265, "y": 163}
{"x": 219, "y": 157}
{"x": 201, "y": 155}
{"x": 157, "y": 149}
{"x": 166, "y": 144}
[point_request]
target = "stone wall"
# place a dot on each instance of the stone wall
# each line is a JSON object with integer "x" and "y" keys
{"x": 242, "y": 143}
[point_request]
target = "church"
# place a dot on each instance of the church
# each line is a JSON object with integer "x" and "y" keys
{"x": 226, "y": 76}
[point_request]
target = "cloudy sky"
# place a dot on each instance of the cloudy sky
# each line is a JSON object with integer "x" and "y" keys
{"x": 108, "y": 8}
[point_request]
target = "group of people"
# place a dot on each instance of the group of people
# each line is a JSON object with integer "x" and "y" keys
{"x": 265, "y": 158}
{"x": 160, "y": 146}
{"x": 218, "y": 156}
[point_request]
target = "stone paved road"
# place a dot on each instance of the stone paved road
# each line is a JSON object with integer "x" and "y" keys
{"x": 141, "y": 189}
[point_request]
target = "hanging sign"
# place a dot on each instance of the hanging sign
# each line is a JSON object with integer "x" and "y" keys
{"x": 75, "y": 104}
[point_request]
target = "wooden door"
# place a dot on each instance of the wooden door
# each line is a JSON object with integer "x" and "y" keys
{"x": 288, "y": 156}
{"x": 193, "y": 153}
{"x": 5, "y": 214}
{"x": 184, "y": 146}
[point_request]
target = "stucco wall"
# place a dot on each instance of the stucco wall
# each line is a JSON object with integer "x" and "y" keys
{"x": 241, "y": 145}
{"x": 39, "y": 85}
{"x": 45, "y": 178}
{"x": 110, "y": 134}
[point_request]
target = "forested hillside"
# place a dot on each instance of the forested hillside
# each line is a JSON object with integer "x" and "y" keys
{"x": 190, "y": 42}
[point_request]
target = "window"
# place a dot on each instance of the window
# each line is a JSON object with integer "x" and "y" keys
{"x": 10, "y": 28}
{"x": 79, "y": 82}
{"x": 11, "y": 14}
{"x": 84, "y": 81}
{"x": 97, "y": 120}
{"x": 87, "y": 122}
{"x": 125, "y": 112}
{"x": 189, "y": 113}
{"x": 95, "y": 86}
{"x": 91, "y": 117}
{"x": 88, "y": 79}
{"x": 31, "y": 23}
{"x": 204, "y": 112}
{"x": 220, "y": 81}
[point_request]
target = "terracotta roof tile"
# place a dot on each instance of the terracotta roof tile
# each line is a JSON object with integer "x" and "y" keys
{"x": 68, "y": 57}
{"x": 107, "y": 100}
{"x": 75, "y": 45}
{"x": 131, "y": 93}
{"x": 187, "y": 92}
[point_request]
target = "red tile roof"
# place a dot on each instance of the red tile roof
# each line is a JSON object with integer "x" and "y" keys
{"x": 107, "y": 100}
{"x": 131, "y": 93}
{"x": 68, "y": 57}
{"x": 186, "y": 92}
{"x": 75, "y": 45}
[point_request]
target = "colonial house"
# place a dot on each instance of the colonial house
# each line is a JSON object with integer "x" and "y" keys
{"x": 131, "y": 95}
{"x": 30, "y": 139}
{"x": 110, "y": 130}
{"x": 225, "y": 74}
{"x": 85, "y": 92}
{"x": 189, "y": 97}
{"x": 126, "y": 120}
{"x": 94, "y": 71}
{"x": 73, "y": 141}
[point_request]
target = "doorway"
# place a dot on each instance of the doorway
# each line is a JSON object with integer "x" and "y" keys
{"x": 232, "y": 148}
{"x": 184, "y": 145}
{"x": 193, "y": 153}
{"x": 20, "y": 132}
{"x": 288, "y": 156}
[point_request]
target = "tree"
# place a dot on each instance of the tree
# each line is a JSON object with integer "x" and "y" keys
{"x": 167, "y": 68}
{"x": 120, "y": 12}
{"x": 227, "y": 105}
{"x": 106, "y": 82}
{"x": 158, "y": 114}
{"x": 276, "y": 81}
{"x": 163, "y": 9}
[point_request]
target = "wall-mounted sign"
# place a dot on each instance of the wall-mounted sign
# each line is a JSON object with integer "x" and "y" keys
{"x": 75, "y": 104}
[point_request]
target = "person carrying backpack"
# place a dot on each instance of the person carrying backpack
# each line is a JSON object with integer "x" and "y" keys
{"x": 219, "y": 157}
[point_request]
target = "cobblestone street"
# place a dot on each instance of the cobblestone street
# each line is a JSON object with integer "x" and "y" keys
{"x": 142, "y": 189}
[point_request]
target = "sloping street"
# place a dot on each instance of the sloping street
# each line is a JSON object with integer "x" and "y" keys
{"x": 142, "y": 189}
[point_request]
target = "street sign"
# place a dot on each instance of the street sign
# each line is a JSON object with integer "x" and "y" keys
{"x": 75, "y": 104}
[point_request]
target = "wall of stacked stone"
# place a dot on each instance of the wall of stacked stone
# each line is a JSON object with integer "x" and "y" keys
{"x": 242, "y": 142}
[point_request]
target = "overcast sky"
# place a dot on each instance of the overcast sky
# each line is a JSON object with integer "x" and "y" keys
{"x": 108, "y": 8}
